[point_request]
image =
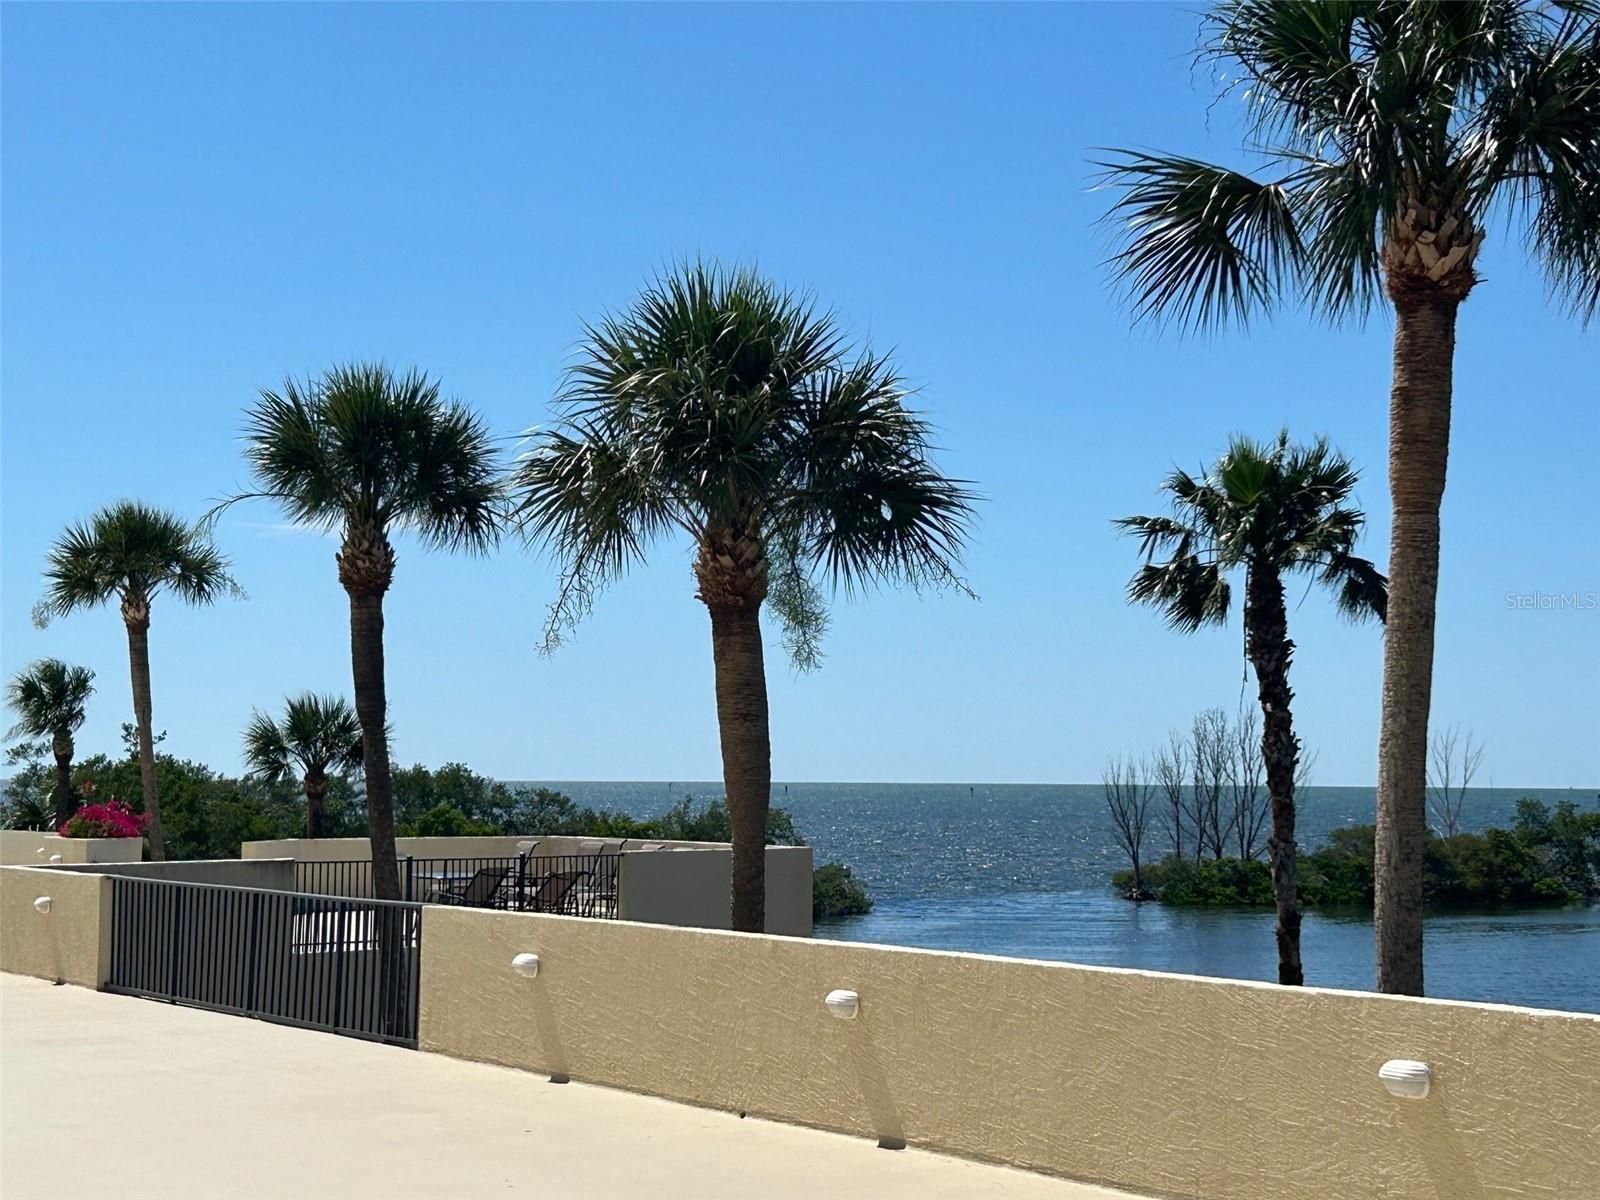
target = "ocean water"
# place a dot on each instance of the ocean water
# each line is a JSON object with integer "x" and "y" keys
{"x": 1024, "y": 870}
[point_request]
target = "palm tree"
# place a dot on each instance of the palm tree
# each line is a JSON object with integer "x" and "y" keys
{"x": 724, "y": 407}
{"x": 364, "y": 452}
{"x": 49, "y": 698}
{"x": 1273, "y": 510}
{"x": 133, "y": 552}
{"x": 1395, "y": 134}
{"x": 317, "y": 733}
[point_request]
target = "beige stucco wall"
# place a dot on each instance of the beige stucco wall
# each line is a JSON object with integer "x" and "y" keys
{"x": 270, "y": 874}
{"x": 22, "y": 848}
{"x": 71, "y": 942}
{"x": 685, "y": 883}
{"x": 500, "y": 846}
{"x": 1164, "y": 1084}
{"x": 342, "y": 849}
{"x": 694, "y": 887}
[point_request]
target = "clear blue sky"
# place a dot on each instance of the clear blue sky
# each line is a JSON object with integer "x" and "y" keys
{"x": 199, "y": 199}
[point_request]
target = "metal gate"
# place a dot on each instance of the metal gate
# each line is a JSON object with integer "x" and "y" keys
{"x": 322, "y": 962}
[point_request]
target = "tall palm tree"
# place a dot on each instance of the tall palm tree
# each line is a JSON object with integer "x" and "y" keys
{"x": 1395, "y": 134}
{"x": 723, "y": 407}
{"x": 49, "y": 699}
{"x": 134, "y": 552}
{"x": 365, "y": 452}
{"x": 1272, "y": 511}
{"x": 317, "y": 734}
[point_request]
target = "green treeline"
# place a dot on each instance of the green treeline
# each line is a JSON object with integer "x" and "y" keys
{"x": 208, "y": 814}
{"x": 1549, "y": 856}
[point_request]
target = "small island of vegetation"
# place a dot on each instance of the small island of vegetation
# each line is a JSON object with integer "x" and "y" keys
{"x": 1550, "y": 856}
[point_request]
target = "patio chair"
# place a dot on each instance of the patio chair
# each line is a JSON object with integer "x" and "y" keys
{"x": 479, "y": 891}
{"x": 602, "y": 891}
{"x": 554, "y": 889}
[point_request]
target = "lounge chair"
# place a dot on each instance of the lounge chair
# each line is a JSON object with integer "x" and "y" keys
{"x": 602, "y": 890}
{"x": 479, "y": 891}
{"x": 553, "y": 890}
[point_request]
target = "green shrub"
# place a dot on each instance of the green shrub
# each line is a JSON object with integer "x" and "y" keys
{"x": 1209, "y": 882}
{"x": 836, "y": 892}
{"x": 1550, "y": 856}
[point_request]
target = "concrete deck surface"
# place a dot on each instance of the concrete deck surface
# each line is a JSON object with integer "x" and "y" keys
{"x": 116, "y": 1096}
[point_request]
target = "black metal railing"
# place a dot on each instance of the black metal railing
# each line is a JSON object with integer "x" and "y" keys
{"x": 323, "y": 962}
{"x": 578, "y": 885}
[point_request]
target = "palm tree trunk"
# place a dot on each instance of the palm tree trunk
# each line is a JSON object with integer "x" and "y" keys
{"x": 1266, "y": 626}
{"x": 316, "y": 790}
{"x": 746, "y": 753}
{"x": 61, "y": 746}
{"x": 366, "y": 662}
{"x": 1419, "y": 447}
{"x": 139, "y": 667}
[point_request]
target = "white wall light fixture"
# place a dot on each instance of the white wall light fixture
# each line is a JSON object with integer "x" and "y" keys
{"x": 1406, "y": 1078}
{"x": 843, "y": 1003}
{"x": 526, "y": 965}
{"x": 42, "y": 904}
{"x": 55, "y": 858}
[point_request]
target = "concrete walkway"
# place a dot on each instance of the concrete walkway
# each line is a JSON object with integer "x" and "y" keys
{"x": 115, "y": 1096}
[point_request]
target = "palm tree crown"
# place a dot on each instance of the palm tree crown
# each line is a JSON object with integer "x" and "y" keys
{"x": 1395, "y": 133}
{"x": 132, "y": 551}
{"x": 722, "y": 406}
{"x": 316, "y": 733}
{"x": 363, "y": 451}
{"x": 49, "y": 697}
{"x": 1278, "y": 508}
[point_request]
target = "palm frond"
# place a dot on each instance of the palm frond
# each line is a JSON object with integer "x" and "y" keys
{"x": 48, "y": 697}
{"x": 266, "y": 752}
{"x": 1363, "y": 590}
{"x": 1536, "y": 142}
{"x": 865, "y": 499}
{"x": 1200, "y": 246}
{"x": 1190, "y": 593}
{"x": 798, "y": 604}
{"x": 589, "y": 496}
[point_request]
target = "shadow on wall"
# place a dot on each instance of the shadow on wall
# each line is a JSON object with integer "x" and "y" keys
{"x": 876, "y": 1093}
{"x": 1444, "y": 1148}
{"x": 547, "y": 1028}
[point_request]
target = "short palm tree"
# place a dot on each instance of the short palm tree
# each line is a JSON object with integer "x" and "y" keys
{"x": 1272, "y": 511}
{"x": 49, "y": 698}
{"x": 317, "y": 734}
{"x": 1395, "y": 134}
{"x": 134, "y": 552}
{"x": 722, "y": 407}
{"x": 364, "y": 452}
